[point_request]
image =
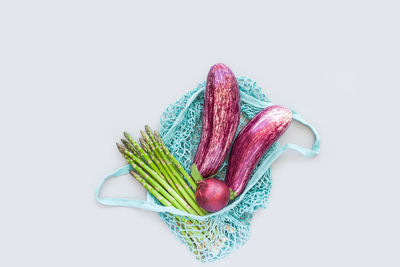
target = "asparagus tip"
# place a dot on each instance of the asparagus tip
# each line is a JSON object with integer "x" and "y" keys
{"x": 142, "y": 142}
{"x": 126, "y": 143}
{"x": 120, "y": 148}
{"x": 127, "y": 135}
{"x": 135, "y": 175}
{"x": 157, "y": 135}
{"x": 144, "y": 134}
{"x": 148, "y": 129}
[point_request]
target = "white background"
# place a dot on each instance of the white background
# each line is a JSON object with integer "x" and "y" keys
{"x": 75, "y": 74}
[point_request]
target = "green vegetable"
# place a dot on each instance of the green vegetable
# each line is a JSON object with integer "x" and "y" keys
{"x": 169, "y": 164}
{"x": 151, "y": 189}
{"x": 195, "y": 173}
{"x": 138, "y": 165}
{"x": 161, "y": 174}
{"x": 159, "y": 165}
{"x": 175, "y": 161}
{"x": 142, "y": 153}
{"x": 156, "y": 166}
{"x": 182, "y": 186}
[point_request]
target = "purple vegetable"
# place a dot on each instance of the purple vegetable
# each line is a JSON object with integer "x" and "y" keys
{"x": 221, "y": 116}
{"x": 251, "y": 144}
{"x": 212, "y": 194}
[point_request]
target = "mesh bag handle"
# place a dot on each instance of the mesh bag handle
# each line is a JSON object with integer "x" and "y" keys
{"x": 309, "y": 153}
{"x": 148, "y": 204}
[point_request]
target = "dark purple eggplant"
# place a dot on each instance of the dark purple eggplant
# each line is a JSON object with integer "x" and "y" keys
{"x": 221, "y": 116}
{"x": 253, "y": 141}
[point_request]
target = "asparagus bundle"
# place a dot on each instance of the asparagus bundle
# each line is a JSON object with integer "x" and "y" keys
{"x": 163, "y": 176}
{"x": 160, "y": 172}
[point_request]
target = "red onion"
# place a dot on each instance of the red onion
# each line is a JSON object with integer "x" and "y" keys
{"x": 212, "y": 194}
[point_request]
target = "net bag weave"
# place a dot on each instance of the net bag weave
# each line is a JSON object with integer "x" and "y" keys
{"x": 215, "y": 235}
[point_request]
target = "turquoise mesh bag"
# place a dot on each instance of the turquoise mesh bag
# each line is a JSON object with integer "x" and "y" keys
{"x": 215, "y": 235}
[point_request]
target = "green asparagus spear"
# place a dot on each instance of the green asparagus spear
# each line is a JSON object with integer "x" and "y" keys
{"x": 142, "y": 153}
{"x": 159, "y": 166}
{"x": 149, "y": 140}
{"x": 179, "y": 178}
{"x": 129, "y": 146}
{"x": 186, "y": 191}
{"x": 139, "y": 163}
{"x": 138, "y": 151}
{"x": 160, "y": 158}
{"x": 151, "y": 189}
{"x": 168, "y": 195}
{"x": 175, "y": 161}
{"x": 156, "y": 186}
{"x": 187, "y": 235}
{"x": 149, "y": 152}
{"x": 171, "y": 170}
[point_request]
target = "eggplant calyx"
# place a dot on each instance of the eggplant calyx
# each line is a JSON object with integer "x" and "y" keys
{"x": 232, "y": 194}
{"x": 195, "y": 173}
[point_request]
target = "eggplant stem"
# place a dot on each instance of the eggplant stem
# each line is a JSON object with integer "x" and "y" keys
{"x": 233, "y": 194}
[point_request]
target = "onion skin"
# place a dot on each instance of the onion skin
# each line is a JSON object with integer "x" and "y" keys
{"x": 212, "y": 194}
{"x": 221, "y": 116}
{"x": 252, "y": 143}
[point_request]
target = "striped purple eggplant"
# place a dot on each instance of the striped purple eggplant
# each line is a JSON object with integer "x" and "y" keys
{"x": 252, "y": 143}
{"x": 221, "y": 116}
